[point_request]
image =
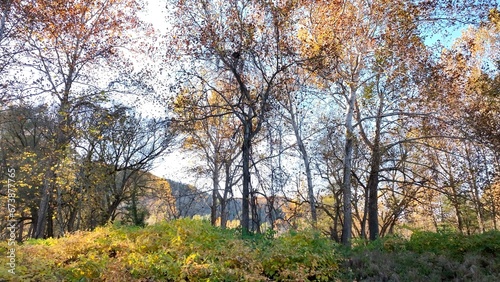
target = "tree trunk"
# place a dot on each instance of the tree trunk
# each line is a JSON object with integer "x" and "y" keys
{"x": 365, "y": 213}
{"x": 76, "y": 210}
{"x": 223, "y": 200}
{"x": 255, "y": 212}
{"x": 5, "y": 8}
{"x": 215, "y": 194}
{"x": 50, "y": 222}
{"x": 246, "y": 151}
{"x": 475, "y": 190}
{"x": 307, "y": 166}
{"x": 493, "y": 211}
{"x": 111, "y": 210}
{"x": 478, "y": 205}
{"x": 349, "y": 136}
{"x": 337, "y": 220}
{"x": 60, "y": 217}
{"x": 458, "y": 211}
{"x": 223, "y": 214}
{"x": 42, "y": 211}
{"x": 373, "y": 180}
{"x": 72, "y": 218}
{"x": 21, "y": 228}
{"x": 455, "y": 197}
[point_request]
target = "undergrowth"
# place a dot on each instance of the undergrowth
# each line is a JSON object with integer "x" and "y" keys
{"x": 193, "y": 250}
{"x": 426, "y": 256}
{"x": 181, "y": 250}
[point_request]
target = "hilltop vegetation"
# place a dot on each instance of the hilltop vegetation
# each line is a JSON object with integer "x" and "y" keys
{"x": 193, "y": 250}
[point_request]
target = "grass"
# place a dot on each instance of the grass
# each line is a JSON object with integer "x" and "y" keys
{"x": 192, "y": 250}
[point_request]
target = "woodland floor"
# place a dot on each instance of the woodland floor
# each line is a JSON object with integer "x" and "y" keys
{"x": 192, "y": 250}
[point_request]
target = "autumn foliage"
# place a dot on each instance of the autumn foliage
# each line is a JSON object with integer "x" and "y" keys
{"x": 349, "y": 120}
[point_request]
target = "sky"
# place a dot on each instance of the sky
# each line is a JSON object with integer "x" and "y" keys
{"x": 176, "y": 164}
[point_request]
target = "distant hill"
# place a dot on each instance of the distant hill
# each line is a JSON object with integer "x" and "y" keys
{"x": 163, "y": 199}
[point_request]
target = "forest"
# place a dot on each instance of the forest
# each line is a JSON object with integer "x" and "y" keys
{"x": 360, "y": 126}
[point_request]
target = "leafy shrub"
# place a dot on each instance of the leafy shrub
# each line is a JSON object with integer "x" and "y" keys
{"x": 300, "y": 256}
{"x": 454, "y": 244}
{"x": 439, "y": 243}
{"x": 193, "y": 250}
{"x": 426, "y": 256}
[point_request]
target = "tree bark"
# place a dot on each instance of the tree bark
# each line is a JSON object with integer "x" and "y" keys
{"x": 475, "y": 189}
{"x": 227, "y": 188}
{"x": 246, "y": 151}
{"x": 373, "y": 181}
{"x": 307, "y": 165}
{"x": 42, "y": 211}
{"x": 347, "y": 194}
{"x": 215, "y": 194}
{"x": 50, "y": 222}
{"x": 255, "y": 212}
{"x": 373, "y": 225}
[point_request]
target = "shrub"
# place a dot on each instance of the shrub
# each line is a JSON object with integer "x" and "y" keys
{"x": 426, "y": 256}
{"x": 193, "y": 250}
{"x": 300, "y": 256}
{"x": 455, "y": 245}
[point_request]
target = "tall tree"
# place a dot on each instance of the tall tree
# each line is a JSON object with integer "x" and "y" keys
{"x": 236, "y": 49}
{"x": 119, "y": 147}
{"x": 213, "y": 134}
{"x": 66, "y": 43}
{"x": 26, "y": 144}
{"x": 302, "y": 115}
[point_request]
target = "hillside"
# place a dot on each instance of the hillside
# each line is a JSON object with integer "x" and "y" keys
{"x": 165, "y": 199}
{"x": 192, "y": 250}
{"x": 160, "y": 199}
